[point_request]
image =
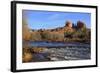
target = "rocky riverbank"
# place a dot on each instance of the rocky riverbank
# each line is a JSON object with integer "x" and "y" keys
{"x": 42, "y": 54}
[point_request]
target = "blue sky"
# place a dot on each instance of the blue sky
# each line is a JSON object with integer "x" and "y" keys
{"x": 50, "y": 19}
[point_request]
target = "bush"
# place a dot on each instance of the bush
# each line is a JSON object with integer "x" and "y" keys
{"x": 52, "y": 36}
{"x": 68, "y": 34}
{"x": 27, "y": 57}
{"x": 45, "y": 35}
{"x": 26, "y": 31}
{"x": 35, "y": 36}
{"x": 57, "y": 36}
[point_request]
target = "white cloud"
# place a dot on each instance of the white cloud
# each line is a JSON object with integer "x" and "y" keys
{"x": 54, "y": 16}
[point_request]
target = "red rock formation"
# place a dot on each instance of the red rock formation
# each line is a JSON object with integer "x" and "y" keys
{"x": 80, "y": 24}
{"x": 68, "y": 24}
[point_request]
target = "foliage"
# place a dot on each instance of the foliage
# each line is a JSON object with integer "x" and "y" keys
{"x": 27, "y": 55}
{"x": 68, "y": 34}
{"x": 26, "y": 31}
{"x": 45, "y": 35}
{"x": 79, "y": 33}
{"x": 35, "y": 36}
{"x": 52, "y": 36}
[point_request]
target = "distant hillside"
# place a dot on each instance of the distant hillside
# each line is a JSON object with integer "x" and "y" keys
{"x": 69, "y": 33}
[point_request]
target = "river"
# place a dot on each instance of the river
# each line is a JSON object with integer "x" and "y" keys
{"x": 58, "y": 51}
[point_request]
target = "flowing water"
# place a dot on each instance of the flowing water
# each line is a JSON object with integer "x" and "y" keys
{"x": 57, "y": 51}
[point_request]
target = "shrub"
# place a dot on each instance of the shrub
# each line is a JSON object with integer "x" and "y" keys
{"x": 52, "y": 36}
{"x": 45, "y": 35}
{"x": 68, "y": 34}
{"x": 35, "y": 36}
{"x": 26, "y": 31}
{"x": 57, "y": 36}
{"x": 27, "y": 57}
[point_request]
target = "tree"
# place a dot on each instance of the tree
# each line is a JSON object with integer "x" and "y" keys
{"x": 35, "y": 36}
{"x": 68, "y": 34}
{"x": 25, "y": 30}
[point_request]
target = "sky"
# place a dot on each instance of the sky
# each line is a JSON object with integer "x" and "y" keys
{"x": 50, "y": 19}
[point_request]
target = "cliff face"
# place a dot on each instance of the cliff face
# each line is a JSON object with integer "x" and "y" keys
{"x": 80, "y": 25}
{"x": 68, "y": 27}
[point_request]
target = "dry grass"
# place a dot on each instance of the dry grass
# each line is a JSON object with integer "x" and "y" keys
{"x": 27, "y": 57}
{"x": 37, "y": 50}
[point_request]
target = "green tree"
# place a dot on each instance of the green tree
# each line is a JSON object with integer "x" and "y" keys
{"x": 68, "y": 34}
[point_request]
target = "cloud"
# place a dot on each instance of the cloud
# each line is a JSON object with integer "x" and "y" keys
{"x": 54, "y": 16}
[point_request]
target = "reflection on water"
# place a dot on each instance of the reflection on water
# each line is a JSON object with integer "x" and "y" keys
{"x": 56, "y": 44}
